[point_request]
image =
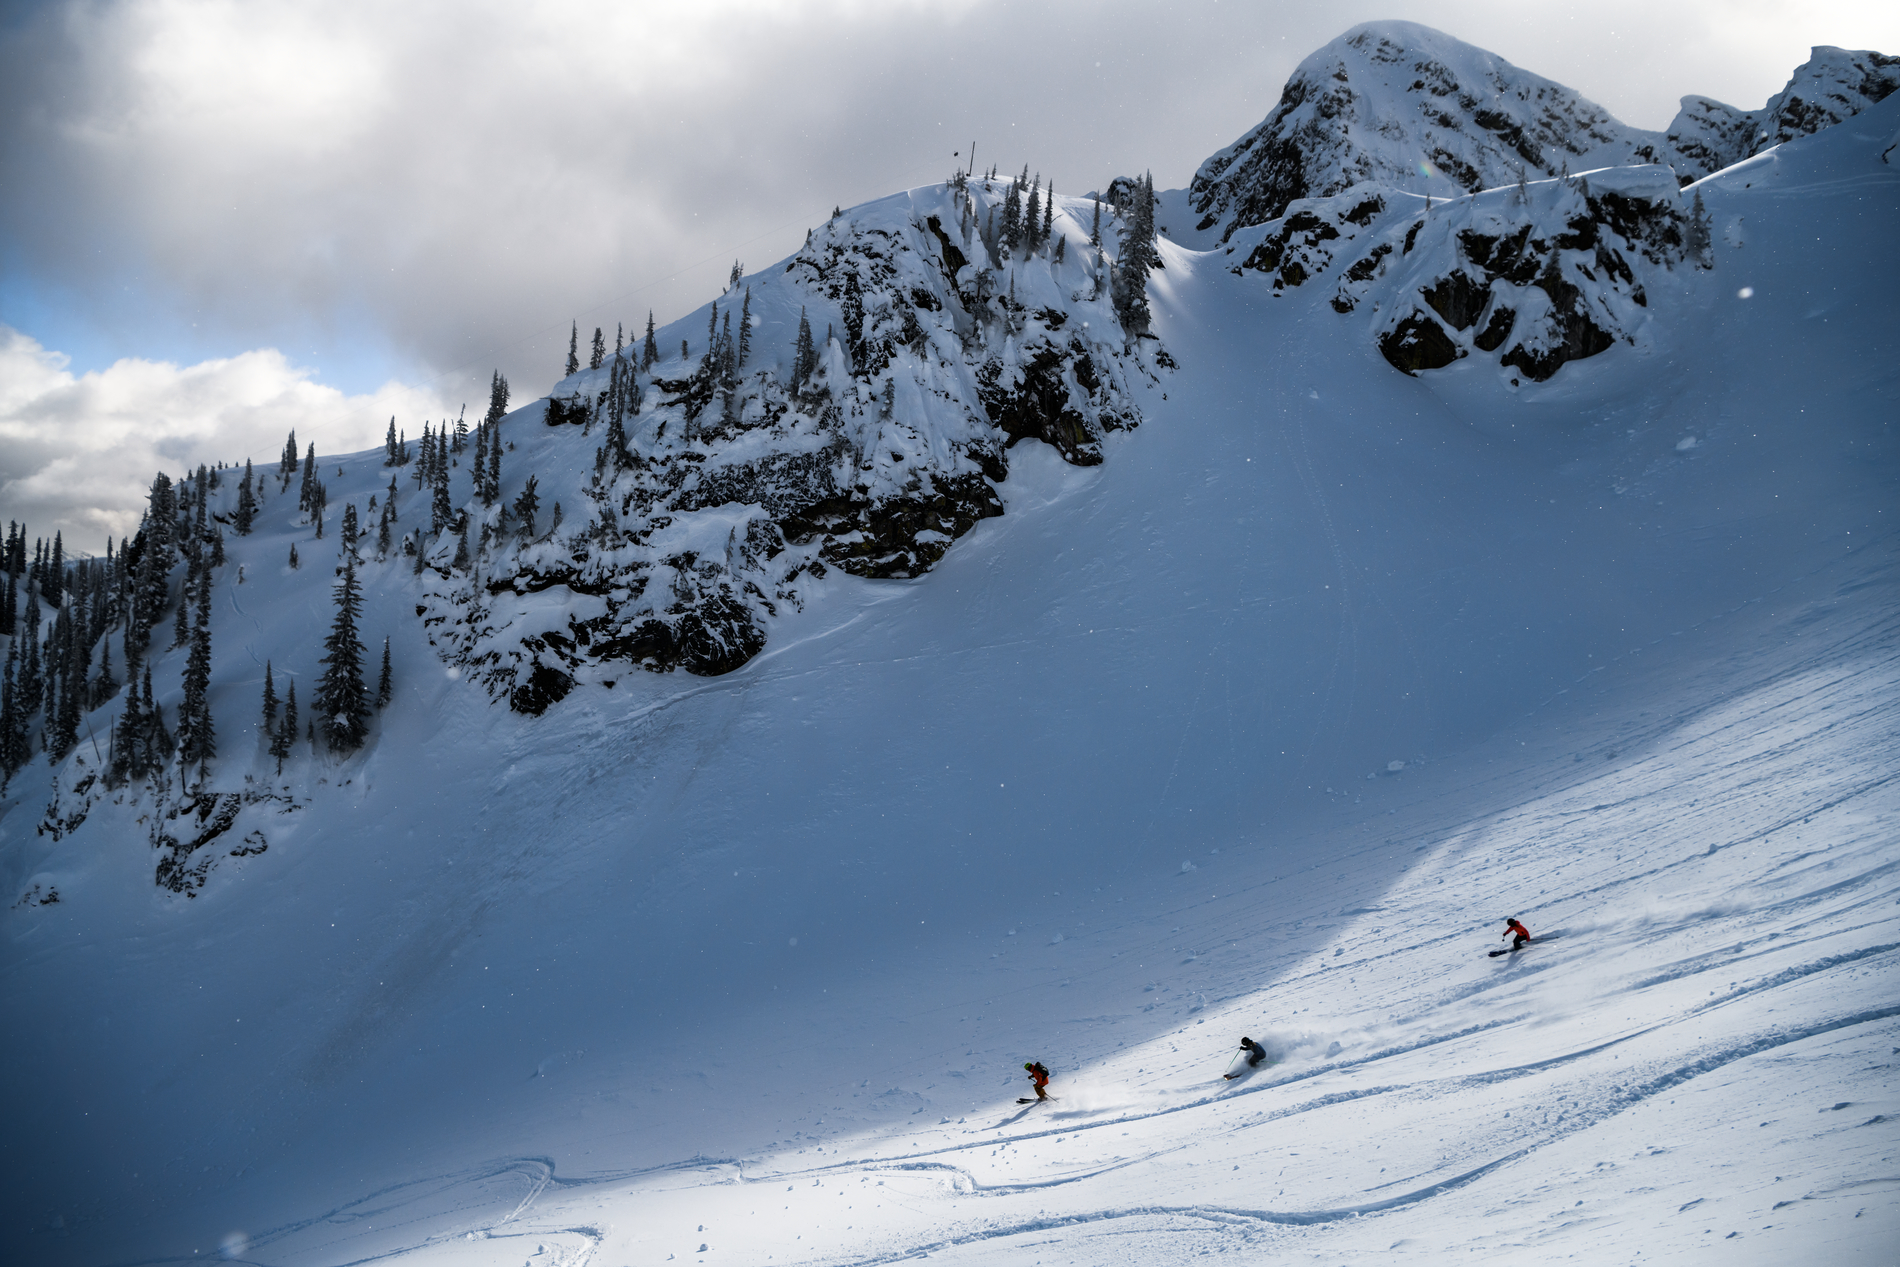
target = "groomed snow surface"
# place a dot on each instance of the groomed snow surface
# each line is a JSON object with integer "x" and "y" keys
{"x": 1262, "y": 727}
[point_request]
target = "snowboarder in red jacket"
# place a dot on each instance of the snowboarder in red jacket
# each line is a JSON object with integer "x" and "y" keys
{"x": 1514, "y": 929}
{"x": 1039, "y": 1076}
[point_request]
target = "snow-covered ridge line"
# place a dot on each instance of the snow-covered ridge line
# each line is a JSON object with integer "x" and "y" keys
{"x": 1538, "y": 274}
{"x": 1404, "y": 105}
{"x": 723, "y": 483}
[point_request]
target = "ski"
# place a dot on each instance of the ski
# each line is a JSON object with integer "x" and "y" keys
{"x": 1030, "y": 1099}
{"x": 1511, "y": 950}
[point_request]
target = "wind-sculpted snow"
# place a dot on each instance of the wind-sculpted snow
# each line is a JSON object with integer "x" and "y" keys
{"x": 739, "y": 488}
{"x": 1403, "y": 105}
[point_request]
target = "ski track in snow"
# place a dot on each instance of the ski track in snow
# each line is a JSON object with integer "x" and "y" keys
{"x": 729, "y": 970}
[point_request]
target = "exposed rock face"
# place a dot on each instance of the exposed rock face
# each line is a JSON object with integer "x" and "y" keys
{"x": 1370, "y": 105}
{"x": 739, "y": 490}
{"x": 1411, "y": 108}
{"x": 1832, "y": 85}
{"x": 1539, "y": 275}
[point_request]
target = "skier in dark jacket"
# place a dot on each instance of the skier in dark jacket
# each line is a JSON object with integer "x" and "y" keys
{"x": 1514, "y": 929}
{"x": 1039, "y": 1076}
{"x": 1256, "y": 1054}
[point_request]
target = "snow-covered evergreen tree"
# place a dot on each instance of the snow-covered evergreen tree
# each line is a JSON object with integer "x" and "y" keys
{"x": 650, "y": 349}
{"x": 599, "y": 351}
{"x": 745, "y": 329}
{"x": 197, "y": 742}
{"x": 342, "y": 701}
{"x": 285, "y": 735}
{"x": 804, "y": 355}
{"x": 525, "y": 507}
{"x": 383, "y": 681}
{"x": 246, "y": 503}
{"x": 573, "y": 351}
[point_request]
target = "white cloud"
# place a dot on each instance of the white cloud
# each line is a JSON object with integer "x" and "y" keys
{"x": 77, "y": 452}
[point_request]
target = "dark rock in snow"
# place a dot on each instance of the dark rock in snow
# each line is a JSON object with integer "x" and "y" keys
{"x": 737, "y": 488}
{"x": 1412, "y": 108}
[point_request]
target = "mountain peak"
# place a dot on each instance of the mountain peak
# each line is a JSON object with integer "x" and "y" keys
{"x": 1413, "y": 108}
{"x": 1420, "y": 111}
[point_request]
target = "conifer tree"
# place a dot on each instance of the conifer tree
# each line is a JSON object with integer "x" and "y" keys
{"x": 247, "y": 503}
{"x": 103, "y": 686}
{"x": 440, "y": 511}
{"x": 732, "y": 281}
{"x": 383, "y": 682}
{"x": 270, "y": 699}
{"x": 462, "y": 561}
{"x": 382, "y": 530}
{"x": 392, "y": 455}
{"x": 1032, "y": 215}
{"x": 181, "y": 628}
{"x": 287, "y": 467}
{"x": 599, "y": 352}
{"x": 1095, "y": 224}
{"x": 525, "y": 507}
{"x": 650, "y": 350}
{"x": 1697, "y": 242}
{"x": 293, "y": 556}
{"x": 804, "y": 356}
{"x": 497, "y": 399}
{"x": 342, "y": 701}
{"x": 1137, "y": 257}
{"x": 745, "y": 329}
{"x": 54, "y": 586}
{"x": 494, "y": 465}
{"x": 573, "y": 351}
{"x": 13, "y": 747}
{"x": 348, "y": 533}
{"x": 460, "y": 441}
{"x": 196, "y": 739}
{"x": 620, "y": 337}
{"x": 309, "y": 480}
{"x": 478, "y": 469}
{"x": 285, "y": 735}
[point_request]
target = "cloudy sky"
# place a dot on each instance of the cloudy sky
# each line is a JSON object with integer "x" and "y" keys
{"x": 223, "y": 219}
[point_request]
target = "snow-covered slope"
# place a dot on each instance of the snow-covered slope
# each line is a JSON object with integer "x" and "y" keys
{"x": 1832, "y": 85}
{"x": 1413, "y": 108}
{"x": 732, "y": 484}
{"x": 1537, "y": 275}
{"x": 1260, "y": 725}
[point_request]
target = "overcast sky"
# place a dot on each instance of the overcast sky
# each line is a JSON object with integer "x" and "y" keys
{"x": 220, "y": 220}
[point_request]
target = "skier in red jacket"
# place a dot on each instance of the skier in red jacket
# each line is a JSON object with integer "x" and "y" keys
{"x": 1039, "y": 1076}
{"x": 1514, "y": 929}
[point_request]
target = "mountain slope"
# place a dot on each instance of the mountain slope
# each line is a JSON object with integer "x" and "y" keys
{"x": 752, "y": 961}
{"x": 1413, "y": 108}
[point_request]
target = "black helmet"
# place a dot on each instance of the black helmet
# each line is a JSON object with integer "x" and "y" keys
{"x": 1246, "y": 1042}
